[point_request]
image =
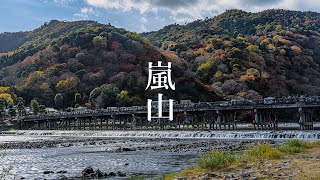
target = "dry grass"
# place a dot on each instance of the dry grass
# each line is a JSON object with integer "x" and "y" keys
{"x": 304, "y": 158}
{"x": 192, "y": 172}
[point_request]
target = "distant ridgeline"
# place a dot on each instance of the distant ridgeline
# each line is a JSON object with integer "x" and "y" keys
{"x": 236, "y": 55}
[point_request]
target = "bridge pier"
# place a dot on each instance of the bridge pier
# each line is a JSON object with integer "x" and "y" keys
{"x": 83, "y": 123}
{"x": 186, "y": 120}
{"x": 77, "y": 126}
{"x": 226, "y": 119}
{"x": 211, "y": 117}
{"x": 305, "y": 119}
{"x": 263, "y": 119}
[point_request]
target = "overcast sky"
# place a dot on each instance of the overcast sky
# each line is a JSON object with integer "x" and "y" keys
{"x": 133, "y": 15}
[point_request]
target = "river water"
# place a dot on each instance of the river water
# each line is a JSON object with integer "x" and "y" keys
{"x": 153, "y": 152}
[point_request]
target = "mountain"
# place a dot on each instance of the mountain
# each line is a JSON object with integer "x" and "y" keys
{"x": 234, "y": 55}
{"x": 17, "y": 46}
{"x": 99, "y": 63}
{"x": 249, "y": 55}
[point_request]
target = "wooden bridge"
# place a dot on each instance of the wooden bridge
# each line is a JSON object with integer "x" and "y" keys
{"x": 202, "y": 115}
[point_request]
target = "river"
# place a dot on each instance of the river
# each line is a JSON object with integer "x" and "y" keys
{"x": 31, "y": 153}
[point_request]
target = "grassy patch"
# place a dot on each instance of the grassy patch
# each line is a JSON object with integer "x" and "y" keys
{"x": 187, "y": 172}
{"x": 263, "y": 151}
{"x": 216, "y": 159}
{"x": 297, "y": 146}
{"x": 144, "y": 177}
{"x": 221, "y": 159}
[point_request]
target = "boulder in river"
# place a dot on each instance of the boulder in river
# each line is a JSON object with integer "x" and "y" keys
{"x": 99, "y": 174}
{"x": 128, "y": 149}
{"x": 112, "y": 174}
{"x": 88, "y": 172}
{"x": 48, "y": 172}
{"x": 62, "y": 172}
{"x": 121, "y": 174}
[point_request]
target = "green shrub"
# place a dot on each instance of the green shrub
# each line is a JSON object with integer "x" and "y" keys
{"x": 263, "y": 151}
{"x": 296, "y": 146}
{"x": 216, "y": 159}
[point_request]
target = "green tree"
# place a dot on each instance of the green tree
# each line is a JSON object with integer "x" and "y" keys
{"x": 2, "y": 108}
{"x": 94, "y": 96}
{"x": 42, "y": 109}
{"x": 35, "y": 106}
{"x": 108, "y": 95}
{"x": 77, "y": 100}
{"x": 20, "y": 106}
{"x": 12, "y": 111}
{"x": 81, "y": 57}
{"x": 100, "y": 41}
{"x": 58, "y": 100}
{"x": 123, "y": 99}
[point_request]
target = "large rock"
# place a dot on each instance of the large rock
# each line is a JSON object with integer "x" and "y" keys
{"x": 128, "y": 149}
{"x": 62, "y": 172}
{"x": 112, "y": 174}
{"x": 48, "y": 172}
{"x": 88, "y": 172}
{"x": 121, "y": 174}
{"x": 99, "y": 174}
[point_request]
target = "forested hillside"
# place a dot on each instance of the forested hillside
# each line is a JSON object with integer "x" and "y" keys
{"x": 232, "y": 56}
{"x": 89, "y": 62}
{"x": 250, "y": 55}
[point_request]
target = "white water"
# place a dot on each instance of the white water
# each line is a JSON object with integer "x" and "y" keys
{"x": 234, "y": 134}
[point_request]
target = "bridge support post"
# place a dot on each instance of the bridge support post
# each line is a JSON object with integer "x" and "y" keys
{"x": 84, "y": 123}
{"x": 263, "y": 119}
{"x": 48, "y": 124}
{"x": 178, "y": 123}
{"x": 126, "y": 123}
{"x": 95, "y": 123}
{"x": 107, "y": 122}
{"x": 120, "y": 123}
{"x": 100, "y": 124}
{"x": 193, "y": 121}
{"x": 78, "y": 123}
{"x": 112, "y": 122}
{"x": 90, "y": 123}
{"x": 305, "y": 119}
{"x": 226, "y": 119}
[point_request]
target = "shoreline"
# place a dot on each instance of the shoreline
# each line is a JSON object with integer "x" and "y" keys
{"x": 295, "y": 159}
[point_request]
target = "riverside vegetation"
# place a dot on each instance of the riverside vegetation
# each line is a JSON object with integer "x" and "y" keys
{"x": 293, "y": 159}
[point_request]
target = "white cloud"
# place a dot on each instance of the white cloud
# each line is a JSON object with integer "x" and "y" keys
{"x": 143, "y": 22}
{"x": 85, "y": 12}
{"x": 189, "y": 10}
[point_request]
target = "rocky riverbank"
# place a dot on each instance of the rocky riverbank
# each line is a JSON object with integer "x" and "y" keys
{"x": 293, "y": 163}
